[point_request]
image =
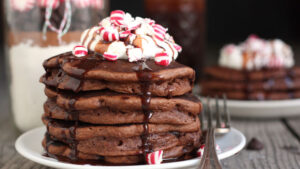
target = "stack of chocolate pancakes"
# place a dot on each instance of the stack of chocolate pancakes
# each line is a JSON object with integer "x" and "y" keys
{"x": 264, "y": 84}
{"x": 118, "y": 112}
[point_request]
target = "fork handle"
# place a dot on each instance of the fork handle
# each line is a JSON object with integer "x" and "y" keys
{"x": 210, "y": 158}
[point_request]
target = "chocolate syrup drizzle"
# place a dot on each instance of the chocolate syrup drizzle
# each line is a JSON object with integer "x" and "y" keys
{"x": 144, "y": 74}
{"x": 82, "y": 67}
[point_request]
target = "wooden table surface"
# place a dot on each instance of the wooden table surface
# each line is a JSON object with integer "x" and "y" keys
{"x": 281, "y": 139}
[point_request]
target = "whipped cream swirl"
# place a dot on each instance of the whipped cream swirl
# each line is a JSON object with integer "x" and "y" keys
{"x": 256, "y": 54}
{"x": 123, "y": 37}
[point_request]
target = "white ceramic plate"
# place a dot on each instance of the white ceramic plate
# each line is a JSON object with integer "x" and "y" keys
{"x": 29, "y": 146}
{"x": 262, "y": 109}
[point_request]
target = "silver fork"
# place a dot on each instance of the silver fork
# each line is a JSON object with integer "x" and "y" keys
{"x": 210, "y": 158}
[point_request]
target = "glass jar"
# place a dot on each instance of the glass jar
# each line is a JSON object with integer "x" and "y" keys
{"x": 186, "y": 22}
{"x": 37, "y": 30}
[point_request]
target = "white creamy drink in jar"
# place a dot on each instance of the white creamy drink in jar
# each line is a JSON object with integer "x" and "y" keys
{"x": 27, "y": 95}
{"x": 37, "y": 30}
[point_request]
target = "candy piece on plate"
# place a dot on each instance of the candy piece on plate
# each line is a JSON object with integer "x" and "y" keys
{"x": 155, "y": 157}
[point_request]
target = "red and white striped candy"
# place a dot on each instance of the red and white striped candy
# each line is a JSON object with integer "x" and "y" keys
{"x": 200, "y": 150}
{"x": 110, "y": 57}
{"x": 22, "y": 5}
{"x": 124, "y": 34}
{"x": 133, "y": 26}
{"x": 117, "y": 17}
{"x": 150, "y": 21}
{"x": 159, "y": 32}
{"x": 155, "y": 157}
{"x": 80, "y": 51}
{"x": 177, "y": 47}
{"x": 162, "y": 59}
{"x": 46, "y": 3}
{"x": 108, "y": 35}
{"x": 98, "y": 4}
{"x": 81, "y": 3}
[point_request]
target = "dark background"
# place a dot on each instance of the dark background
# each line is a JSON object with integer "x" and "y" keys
{"x": 227, "y": 21}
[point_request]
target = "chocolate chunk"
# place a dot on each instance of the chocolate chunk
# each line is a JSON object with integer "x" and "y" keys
{"x": 255, "y": 144}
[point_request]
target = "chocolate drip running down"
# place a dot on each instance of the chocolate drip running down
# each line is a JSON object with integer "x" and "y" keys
{"x": 145, "y": 75}
{"x": 82, "y": 67}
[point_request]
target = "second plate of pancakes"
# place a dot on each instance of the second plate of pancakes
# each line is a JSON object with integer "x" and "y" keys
{"x": 262, "y": 109}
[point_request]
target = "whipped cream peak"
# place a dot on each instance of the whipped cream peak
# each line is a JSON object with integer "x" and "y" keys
{"x": 256, "y": 53}
{"x": 122, "y": 36}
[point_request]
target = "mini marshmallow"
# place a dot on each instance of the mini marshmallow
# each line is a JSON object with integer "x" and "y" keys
{"x": 134, "y": 54}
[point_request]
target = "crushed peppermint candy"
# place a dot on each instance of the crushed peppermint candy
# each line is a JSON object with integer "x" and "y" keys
{"x": 110, "y": 57}
{"x": 155, "y": 157}
{"x": 137, "y": 39}
{"x": 201, "y": 150}
{"x": 23, "y": 5}
{"x": 80, "y": 51}
{"x": 47, "y": 3}
{"x": 162, "y": 59}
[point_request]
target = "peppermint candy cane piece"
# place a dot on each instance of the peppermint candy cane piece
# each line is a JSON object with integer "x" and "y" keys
{"x": 150, "y": 21}
{"x": 110, "y": 57}
{"x": 134, "y": 54}
{"x": 177, "y": 47}
{"x": 200, "y": 150}
{"x": 110, "y": 34}
{"x": 22, "y": 5}
{"x": 133, "y": 26}
{"x": 81, "y": 3}
{"x": 159, "y": 32}
{"x": 97, "y": 4}
{"x": 47, "y": 3}
{"x": 160, "y": 28}
{"x": 80, "y": 51}
{"x": 124, "y": 34}
{"x": 162, "y": 59}
{"x": 155, "y": 157}
{"x": 117, "y": 17}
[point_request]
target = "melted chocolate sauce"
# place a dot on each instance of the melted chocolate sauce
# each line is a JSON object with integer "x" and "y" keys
{"x": 72, "y": 129}
{"x": 144, "y": 74}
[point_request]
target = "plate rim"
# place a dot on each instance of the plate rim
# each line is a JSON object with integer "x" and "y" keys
{"x": 56, "y": 164}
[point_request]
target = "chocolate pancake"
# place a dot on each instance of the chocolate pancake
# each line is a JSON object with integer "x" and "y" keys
{"x": 108, "y": 116}
{"x": 65, "y": 129}
{"x": 118, "y": 111}
{"x": 252, "y": 86}
{"x": 119, "y": 146}
{"x": 228, "y": 74}
{"x": 265, "y": 84}
{"x": 63, "y": 151}
{"x": 116, "y": 101}
{"x": 257, "y": 95}
{"x": 92, "y": 72}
